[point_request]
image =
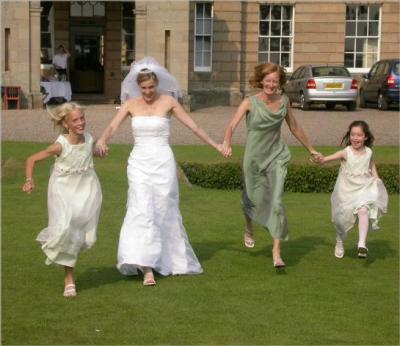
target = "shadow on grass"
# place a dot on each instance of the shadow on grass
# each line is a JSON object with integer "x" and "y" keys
{"x": 292, "y": 251}
{"x": 97, "y": 277}
{"x": 378, "y": 250}
{"x": 295, "y": 250}
{"x": 206, "y": 250}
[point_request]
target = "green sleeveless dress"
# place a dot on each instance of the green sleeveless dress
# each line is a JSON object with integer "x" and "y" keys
{"x": 265, "y": 166}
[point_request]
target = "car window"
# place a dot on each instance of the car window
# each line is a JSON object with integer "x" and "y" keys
{"x": 373, "y": 70}
{"x": 303, "y": 73}
{"x": 336, "y": 71}
{"x": 396, "y": 68}
{"x": 381, "y": 69}
{"x": 297, "y": 73}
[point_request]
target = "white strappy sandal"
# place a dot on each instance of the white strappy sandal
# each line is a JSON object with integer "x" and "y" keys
{"x": 70, "y": 290}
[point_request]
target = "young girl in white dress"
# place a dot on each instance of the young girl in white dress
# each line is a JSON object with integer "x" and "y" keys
{"x": 358, "y": 193}
{"x": 74, "y": 193}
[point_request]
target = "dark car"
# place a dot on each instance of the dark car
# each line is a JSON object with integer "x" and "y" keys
{"x": 381, "y": 85}
{"x": 326, "y": 84}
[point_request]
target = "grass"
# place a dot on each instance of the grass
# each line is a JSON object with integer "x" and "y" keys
{"x": 240, "y": 299}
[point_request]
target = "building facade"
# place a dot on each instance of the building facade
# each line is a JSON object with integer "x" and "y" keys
{"x": 211, "y": 47}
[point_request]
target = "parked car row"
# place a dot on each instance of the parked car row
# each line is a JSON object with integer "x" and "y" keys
{"x": 381, "y": 85}
{"x": 332, "y": 85}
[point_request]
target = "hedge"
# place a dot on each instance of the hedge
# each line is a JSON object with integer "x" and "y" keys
{"x": 300, "y": 177}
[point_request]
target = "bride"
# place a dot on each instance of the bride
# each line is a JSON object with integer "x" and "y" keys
{"x": 152, "y": 236}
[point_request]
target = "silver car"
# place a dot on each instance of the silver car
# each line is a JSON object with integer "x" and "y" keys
{"x": 326, "y": 84}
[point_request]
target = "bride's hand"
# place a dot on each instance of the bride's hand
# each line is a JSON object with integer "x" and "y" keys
{"x": 224, "y": 150}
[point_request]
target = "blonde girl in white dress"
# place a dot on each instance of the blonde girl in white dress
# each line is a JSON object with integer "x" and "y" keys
{"x": 74, "y": 193}
{"x": 358, "y": 193}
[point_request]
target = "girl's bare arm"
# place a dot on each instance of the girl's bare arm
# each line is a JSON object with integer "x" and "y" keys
{"x": 374, "y": 171}
{"x": 51, "y": 150}
{"x": 339, "y": 155}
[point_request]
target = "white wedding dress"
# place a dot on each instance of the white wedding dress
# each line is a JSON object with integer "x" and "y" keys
{"x": 152, "y": 234}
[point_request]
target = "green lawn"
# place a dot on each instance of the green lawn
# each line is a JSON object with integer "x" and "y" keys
{"x": 240, "y": 299}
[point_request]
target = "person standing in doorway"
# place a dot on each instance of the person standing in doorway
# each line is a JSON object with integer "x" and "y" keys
{"x": 60, "y": 62}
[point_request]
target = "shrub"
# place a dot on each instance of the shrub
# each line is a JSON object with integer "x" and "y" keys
{"x": 300, "y": 177}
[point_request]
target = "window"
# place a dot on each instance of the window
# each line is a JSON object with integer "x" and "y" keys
{"x": 6, "y": 49}
{"x": 361, "y": 36}
{"x": 275, "y": 36}
{"x": 203, "y": 30}
{"x": 46, "y": 32}
{"x": 127, "y": 34}
{"x": 87, "y": 9}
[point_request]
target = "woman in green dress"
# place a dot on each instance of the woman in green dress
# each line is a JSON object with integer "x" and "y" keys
{"x": 266, "y": 156}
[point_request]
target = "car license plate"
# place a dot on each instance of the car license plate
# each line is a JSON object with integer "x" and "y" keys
{"x": 334, "y": 86}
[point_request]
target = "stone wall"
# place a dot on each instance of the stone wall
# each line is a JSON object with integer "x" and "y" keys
{"x": 222, "y": 84}
{"x": 112, "y": 53}
{"x": 153, "y": 20}
{"x": 24, "y": 50}
{"x": 319, "y": 30}
{"x": 390, "y": 43}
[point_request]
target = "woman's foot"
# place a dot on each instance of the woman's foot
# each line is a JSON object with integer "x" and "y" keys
{"x": 277, "y": 259}
{"x": 70, "y": 290}
{"x": 148, "y": 279}
{"x": 339, "y": 249}
{"x": 362, "y": 252}
{"x": 248, "y": 239}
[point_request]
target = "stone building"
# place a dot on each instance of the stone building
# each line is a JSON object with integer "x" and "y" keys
{"x": 210, "y": 46}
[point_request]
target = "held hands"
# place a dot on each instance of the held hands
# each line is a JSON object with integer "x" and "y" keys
{"x": 225, "y": 149}
{"x": 316, "y": 157}
{"x": 28, "y": 186}
{"x": 101, "y": 149}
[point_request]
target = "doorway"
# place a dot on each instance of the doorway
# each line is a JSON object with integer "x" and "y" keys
{"x": 87, "y": 59}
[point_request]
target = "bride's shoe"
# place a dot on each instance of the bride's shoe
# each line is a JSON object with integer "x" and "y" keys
{"x": 248, "y": 239}
{"x": 148, "y": 279}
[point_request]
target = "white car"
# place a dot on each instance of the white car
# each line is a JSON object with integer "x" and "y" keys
{"x": 326, "y": 84}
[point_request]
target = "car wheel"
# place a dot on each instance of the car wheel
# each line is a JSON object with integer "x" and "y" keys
{"x": 382, "y": 103}
{"x": 330, "y": 106}
{"x": 303, "y": 104}
{"x": 351, "y": 106}
{"x": 363, "y": 104}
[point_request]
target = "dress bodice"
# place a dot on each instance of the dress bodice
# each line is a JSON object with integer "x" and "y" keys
{"x": 74, "y": 158}
{"x": 152, "y": 130}
{"x": 357, "y": 165}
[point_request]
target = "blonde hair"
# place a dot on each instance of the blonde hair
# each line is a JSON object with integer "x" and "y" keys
{"x": 58, "y": 114}
{"x": 144, "y": 75}
{"x": 261, "y": 70}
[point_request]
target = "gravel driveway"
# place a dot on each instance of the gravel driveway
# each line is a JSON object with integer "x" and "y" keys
{"x": 323, "y": 127}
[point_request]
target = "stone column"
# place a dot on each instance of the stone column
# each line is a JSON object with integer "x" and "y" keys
{"x": 34, "y": 96}
{"x": 140, "y": 29}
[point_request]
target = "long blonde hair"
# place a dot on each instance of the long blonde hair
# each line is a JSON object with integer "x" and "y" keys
{"x": 58, "y": 114}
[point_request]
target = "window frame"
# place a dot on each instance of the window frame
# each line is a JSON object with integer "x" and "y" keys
{"x": 123, "y": 35}
{"x": 82, "y": 4}
{"x": 50, "y": 31}
{"x": 354, "y": 69}
{"x": 292, "y": 21}
{"x": 203, "y": 68}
